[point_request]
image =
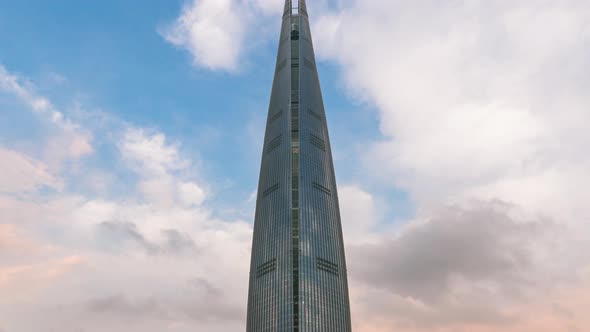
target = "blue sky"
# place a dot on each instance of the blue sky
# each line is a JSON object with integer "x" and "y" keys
{"x": 130, "y": 141}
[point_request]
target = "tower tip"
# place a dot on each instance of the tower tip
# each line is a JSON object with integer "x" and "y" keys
{"x": 295, "y": 7}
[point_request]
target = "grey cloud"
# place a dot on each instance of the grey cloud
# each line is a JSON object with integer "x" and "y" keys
{"x": 121, "y": 305}
{"x": 215, "y": 310}
{"x": 198, "y": 300}
{"x": 478, "y": 244}
{"x": 210, "y": 302}
{"x": 562, "y": 311}
{"x": 115, "y": 234}
{"x": 208, "y": 287}
{"x": 476, "y": 310}
{"x": 481, "y": 247}
{"x": 177, "y": 241}
{"x": 201, "y": 302}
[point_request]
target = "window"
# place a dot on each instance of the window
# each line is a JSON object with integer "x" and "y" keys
{"x": 273, "y": 144}
{"x": 321, "y": 188}
{"x": 266, "y": 268}
{"x": 270, "y": 189}
{"x": 317, "y": 142}
{"x": 314, "y": 114}
{"x": 281, "y": 65}
{"x": 326, "y": 266}
{"x": 275, "y": 116}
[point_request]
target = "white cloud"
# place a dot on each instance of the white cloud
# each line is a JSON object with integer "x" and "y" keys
{"x": 359, "y": 213}
{"x": 267, "y": 7}
{"x": 193, "y": 265}
{"x": 475, "y": 96}
{"x": 93, "y": 256}
{"x": 140, "y": 263}
{"x": 149, "y": 154}
{"x": 477, "y": 101}
{"x": 191, "y": 194}
{"x": 159, "y": 166}
{"x": 12, "y": 84}
{"x": 71, "y": 142}
{"x": 19, "y": 173}
{"x": 214, "y": 31}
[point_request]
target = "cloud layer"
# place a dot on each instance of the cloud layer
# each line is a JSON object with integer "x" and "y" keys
{"x": 479, "y": 102}
{"x": 150, "y": 258}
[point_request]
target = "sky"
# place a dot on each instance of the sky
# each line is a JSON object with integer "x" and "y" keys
{"x": 130, "y": 143}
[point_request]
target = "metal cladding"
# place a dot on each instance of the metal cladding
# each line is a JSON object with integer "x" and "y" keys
{"x": 298, "y": 276}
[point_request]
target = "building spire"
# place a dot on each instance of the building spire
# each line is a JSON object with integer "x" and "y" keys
{"x": 299, "y": 5}
{"x": 298, "y": 280}
{"x": 302, "y": 6}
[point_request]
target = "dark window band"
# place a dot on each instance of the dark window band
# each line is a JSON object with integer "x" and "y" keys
{"x": 270, "y": 189}
{"x": 314, "y": 114}
{"x": 317, "y": 142}
{"x": 273, "y": 144}
{"x": 282, "y": 65}
{"x": 326, "y": 266}
{"x": 266, "y": 268}
{"x": 275, "y": 116}
{"x": 321, "y": 188}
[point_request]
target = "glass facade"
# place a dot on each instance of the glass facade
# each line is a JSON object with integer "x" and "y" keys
{"x": 298, "y": 276}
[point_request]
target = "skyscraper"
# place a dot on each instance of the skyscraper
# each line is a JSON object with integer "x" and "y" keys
{"x": 298, "y": 276}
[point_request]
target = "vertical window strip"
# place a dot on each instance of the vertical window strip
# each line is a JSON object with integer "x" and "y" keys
{"x": 295, "y": 178}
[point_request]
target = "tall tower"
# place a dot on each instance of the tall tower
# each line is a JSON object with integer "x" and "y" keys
{"x": 298, "y": 277}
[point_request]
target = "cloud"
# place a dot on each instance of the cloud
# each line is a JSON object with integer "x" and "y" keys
{"x": 479, "y": 244}
{"x": 160, "y": 168}
{"x": 359, "y": 212}
{"x": 116, "y": 235}
{"x": 19, "y": 281}
{"x": 19, "y": 173}
{"x": 191, "y": 194}
{"x": 138, "y": 256}
{"x": 453, "y": 261}
{"x": 477, "y": 102}
{"x": 12, "y": 84}
{"x": 120, "y": 305}
{"x": 70, "y": 141}
{"x": 149, "y": 154}
{"x": 214, "y": 31}
{"x": 458, "y": 114}
{"x": 153, "y": 246}
{"x": 207, "y": 307}
{"x": 148, "y": 256}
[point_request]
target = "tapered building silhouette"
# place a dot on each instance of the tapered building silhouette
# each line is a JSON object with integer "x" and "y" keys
{"x": 298, "y": 276}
